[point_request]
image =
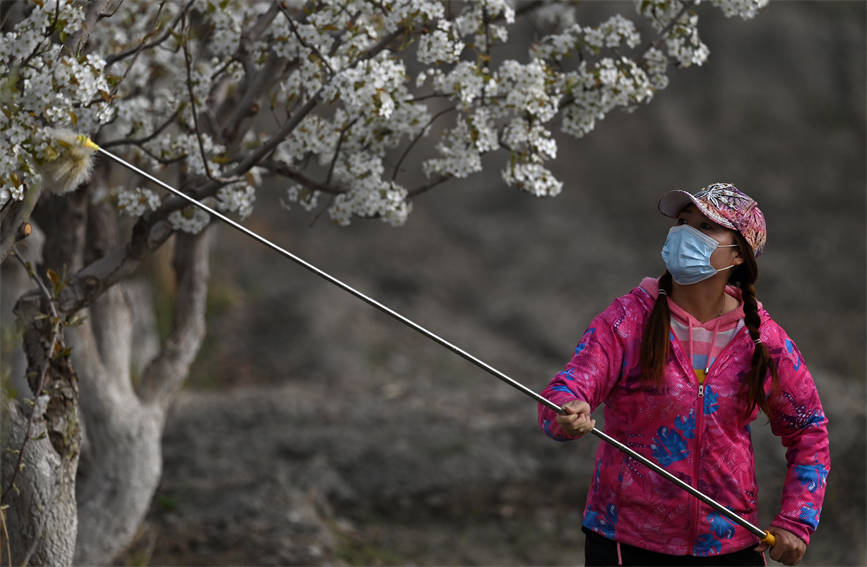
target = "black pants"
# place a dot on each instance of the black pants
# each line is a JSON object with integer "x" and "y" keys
{"x": 602, "y": 551}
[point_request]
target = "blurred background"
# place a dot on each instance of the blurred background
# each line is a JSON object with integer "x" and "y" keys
{"x": 315, "y": 429}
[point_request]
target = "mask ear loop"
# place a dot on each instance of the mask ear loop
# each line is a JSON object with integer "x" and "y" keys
{"x": 726, "y": 246}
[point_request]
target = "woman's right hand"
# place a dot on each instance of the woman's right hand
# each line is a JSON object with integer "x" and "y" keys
{"x": 576, "y": 421}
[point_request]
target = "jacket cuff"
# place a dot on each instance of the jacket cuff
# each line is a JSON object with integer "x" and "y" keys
{"x": 796, "y": 528}
{"x": 549, "y": 417}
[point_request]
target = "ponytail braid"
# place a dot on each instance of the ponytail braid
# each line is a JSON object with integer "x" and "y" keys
{"x": 655, "y": 339}
{"x": 745, "y": 276}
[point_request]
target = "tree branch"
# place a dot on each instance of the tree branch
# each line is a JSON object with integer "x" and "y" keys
{"x": 285, "y": 170}
{"x": 527, "y": 7}
{"x": 14, "y": 216}
{"x": 236, "y": 110}
{"x": 166, "y": 373}
{"x": 312, "y": 48}
{"x": 674, "y": 21}
{"x": 151, "y": 231}
{"x": 417, "y": 138}
{"x": 142, "y": 45}
{"x": 193, "y": 106}
{"x": 337, "y": 149}
{"x": 77, "y": 41}
{"x": 428, "y": 186}
{"x": 141, "y": 141}
{"x": 247, "y": 107}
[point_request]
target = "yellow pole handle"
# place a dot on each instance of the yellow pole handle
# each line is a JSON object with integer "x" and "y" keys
{"x": 769, "y": 539}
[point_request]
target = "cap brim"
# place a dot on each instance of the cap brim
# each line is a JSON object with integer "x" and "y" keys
{"x": 674, "y": 201}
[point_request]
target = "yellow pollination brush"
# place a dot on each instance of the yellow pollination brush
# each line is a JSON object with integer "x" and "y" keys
{"x": 80, "y": 148}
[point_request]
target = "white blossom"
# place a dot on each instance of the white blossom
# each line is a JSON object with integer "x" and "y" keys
{"x": 190, "y": 219}
{"x": 554, "y": 15}
{"x": 459, "y": 158}
{"x": 388, "y": 202}
{"x": 527, "y": 88}
{"x": 684, "y": 44}
{"x": 483, "y": 130}
{"x": 137, "y": 202}
{"x": 307, "y": 198}
{"x": 533, "y": 178}
{"x": 440, "y": 46}
{"x": 745, "y": 9}
{"x": 237, "y": 198}
{"x": 464, "y": 81}
{"x": 557, "y": 46}
{"x": 656, "y": 62}
{"x": 459, "y": 96}
{"x": 618, "y": 31}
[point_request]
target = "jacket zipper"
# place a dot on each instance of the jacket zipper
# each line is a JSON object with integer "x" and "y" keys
{"x": 695, "y": 507}
{"x": 699, "y": 426}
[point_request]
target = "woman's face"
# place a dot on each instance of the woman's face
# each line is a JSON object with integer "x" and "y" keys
{"x": 721, "y": 257}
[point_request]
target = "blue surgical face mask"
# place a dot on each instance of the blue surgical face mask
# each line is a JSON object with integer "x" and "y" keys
{"x": 687, "y": 252}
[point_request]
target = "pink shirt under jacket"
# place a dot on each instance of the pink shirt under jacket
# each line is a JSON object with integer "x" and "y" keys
{"x": 701, "y": 437}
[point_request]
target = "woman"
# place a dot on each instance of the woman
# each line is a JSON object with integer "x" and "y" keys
{"x": 683, "y": 364}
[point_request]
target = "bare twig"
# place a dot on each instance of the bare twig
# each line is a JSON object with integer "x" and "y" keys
{"x": 142, "y": 45}
{"x": 417, "y": 138}
{"x": 428, "y": 186}
{"x": 671, "y": 24}
{"x": 136, "y": 51}
{"x": 312, "y": 48}
{"x": 285, "y": 170}
{"x": 192, "y": 94}
{"x": 319, "y": 214}
{"x": 337, "y": 149}
{"x": 146, "y": 139}
{"x": 112, "y": 12}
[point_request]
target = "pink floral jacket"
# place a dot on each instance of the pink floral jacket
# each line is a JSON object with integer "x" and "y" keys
{"x": 698, "y": 433}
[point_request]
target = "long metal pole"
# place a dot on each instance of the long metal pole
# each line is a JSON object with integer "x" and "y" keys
{"x": 767, "y": 537}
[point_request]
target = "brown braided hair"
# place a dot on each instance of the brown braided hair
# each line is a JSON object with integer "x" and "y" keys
{"x": 654, "y": 340}
{"x": 745, "y": 276}
{"x": 655, "y": 345}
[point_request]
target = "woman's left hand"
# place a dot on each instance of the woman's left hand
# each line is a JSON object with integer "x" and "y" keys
{"x": 788, "y": 549}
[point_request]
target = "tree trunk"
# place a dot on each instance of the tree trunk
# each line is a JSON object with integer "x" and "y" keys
{"x": 41, "y": 518}
{"x": 121, "y": 460}
{"x": 62, "y": 509}
{"x": 41, "y": 447}
{"x": 121, "y": 455}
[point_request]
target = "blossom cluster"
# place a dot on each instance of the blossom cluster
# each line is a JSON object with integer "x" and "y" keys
{"x": 137, "y": 202}
{"x": 351, "y": 86}
{"x": 44, "y": 85}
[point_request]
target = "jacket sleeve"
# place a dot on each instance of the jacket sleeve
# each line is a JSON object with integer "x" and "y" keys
{"x": 590, "y": 374}
{"x": 797, "y": 417}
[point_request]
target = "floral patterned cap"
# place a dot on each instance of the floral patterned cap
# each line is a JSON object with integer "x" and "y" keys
{"x": 724, "y": 204}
